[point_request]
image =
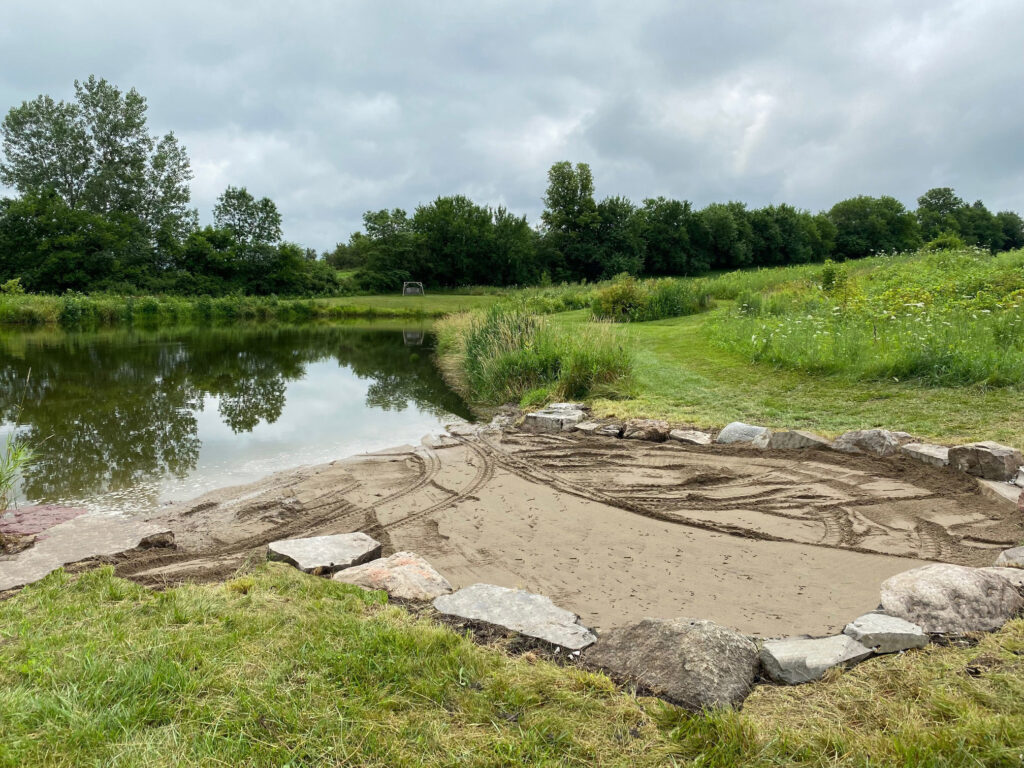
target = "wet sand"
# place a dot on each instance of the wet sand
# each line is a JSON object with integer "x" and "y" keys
{"x": 616, "y": 530}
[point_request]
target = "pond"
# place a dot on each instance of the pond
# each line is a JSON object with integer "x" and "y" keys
{"x": 123, "y": 420}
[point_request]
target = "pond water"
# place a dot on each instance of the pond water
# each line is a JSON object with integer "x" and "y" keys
{"x": 123, "y": 420}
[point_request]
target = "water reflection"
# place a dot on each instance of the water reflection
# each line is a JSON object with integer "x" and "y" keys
{"x": 116, "y": 410}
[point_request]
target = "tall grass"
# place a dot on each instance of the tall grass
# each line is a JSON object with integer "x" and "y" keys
{"x": 629, "y": 299}
{"x": 505, "y": 353}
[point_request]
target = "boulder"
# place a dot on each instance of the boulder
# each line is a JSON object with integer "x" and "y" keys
{"x": 610, "y": 430}
{"x": 325, "y": 554}
{"x": 874, "y": 442}
{"x": 1018, "y": 479}
{"x": 936, "y": 455}
{"x": 1001, "y": 492}
{"x": 588, "y": 427}
{"x": 886, "y": 634}
{"x": 796, "y": 440}
{"x": 690, "y": 437}
{"x": 555, "y": 418}
{"x": 951, "y": 599}
{"x": 738, "y": 432}
{"x": 1013, "y": 575}
{"x": 693, "y": 663}
{"x": 801, "y": 660}
{"x": 520, "y": 611}
{"x": 1011, "y": 558}
{"x": 988, "y": 460}
{"x": 904, "y": 438}
{"x": 646, "y": 429}
{"x": 403, "y": 575}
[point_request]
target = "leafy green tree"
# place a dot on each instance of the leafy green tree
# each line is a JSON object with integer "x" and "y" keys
{"x": 571, "y": 220}
{"x": 456, "y": 241}
{"x": 977, "y": 226}
{"x": 937, "y": 212}
{"x": 620, "y": 239}
{"x": 1011, "y": 229}
{"x": 867, "y": 225}
{"x": 253, "y": 222}
{"x": 729, "y": 235}
{"x": 515, "y": 249}
{"x": 666, "y": 227}
{"x": 392, "y": 255}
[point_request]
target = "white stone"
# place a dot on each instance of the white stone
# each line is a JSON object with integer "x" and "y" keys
{"x": 951, "y": 599}
{"x": 1018, "y": 479}
{"x": 936, "y": 455}
{"x": 690, "y": 436}
{"x": 1013, "y": 575}
{"x": 1011, "y": 558}
{"x": 553, "y": 420}
{"x": 799, "y": 660}
{"x": 796, "y": 440}
{"x": 886, "y": 634}
{"x": 588, "y": 427}
{"x": 874, "y": 442}
{"x": 520, "y": 611}
{"x": 738, "y": 432}
{"x": 404, "y": 575}
{"x": 325, "y": 554}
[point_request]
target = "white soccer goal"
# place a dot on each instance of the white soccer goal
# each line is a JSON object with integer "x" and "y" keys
{"x": 412, "y": 289}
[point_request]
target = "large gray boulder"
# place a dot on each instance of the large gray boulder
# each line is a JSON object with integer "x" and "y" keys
{"x": 738, "y": 432}
{"x": 690, "y": 437}
{"x": 1013, "y": 575}
{"x": 693, "y": 663}
{"x": 404, "y": 575}
{"x": 1011, "y": 558}
{"x": 988, "y": 460}
{"x": 927, "y": 453}
{"x": 797, "y": 440}
{"x": 654, "y": 430}
{"x": 520, "y": 611}
{"x": 951, "y": 599}
{"x": 325, "y": 554}
{"x": 801, "y": 660}
{"x": 557, "y": 417}
{"x": 874, "y": 442}
{"x": 886, "y": 634}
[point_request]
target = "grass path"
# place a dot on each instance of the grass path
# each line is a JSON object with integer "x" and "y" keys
{"x": 682, "y": 376}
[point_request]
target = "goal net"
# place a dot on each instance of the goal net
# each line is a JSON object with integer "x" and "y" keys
{"x": 412, "y": 289}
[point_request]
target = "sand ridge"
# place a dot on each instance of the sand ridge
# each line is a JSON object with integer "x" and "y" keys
{"x": 617, "y": 530}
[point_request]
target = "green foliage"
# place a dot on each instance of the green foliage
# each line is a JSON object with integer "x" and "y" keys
{"x": 501, "y": 354}
{"x": 628, "y": 299}
{"x": 869, "y": 225}
{"x": 12, "y": 287}
{"x": 946, "y": 241}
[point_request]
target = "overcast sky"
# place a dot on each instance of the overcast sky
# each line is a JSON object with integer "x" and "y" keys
{"x": 333, "y": 108}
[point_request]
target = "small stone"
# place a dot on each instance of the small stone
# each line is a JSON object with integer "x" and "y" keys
{"x": 951, "y": 599}
{"x": 693, "y": 663}
{"x": 589, "y": 427}
{"x": 936, "y": 455}
{"x": 988, "y": 460}
{"x": 610, "y": 430}
{"x": 646, "y": 429}
{"x": 1011, "y": 558}
{"x": 404, "y": 575}
{"x": 520, "y": 611}
{"x": 1013, "y": 575}
{"x": 761, "y": 441}
{"x": 325, "y": 554}
{"x": 1018, "y": 479}
{"x": 799, "y": 660}
{"x": 797, "y": 440}
{"x": 690, "y": 436}
{"x": 553, "y": 419}
{"x": 738, "y": 432}
{"x": 566, "y": 407}
{"x": 886, "y": 634}
{"x": 874, "y": 442}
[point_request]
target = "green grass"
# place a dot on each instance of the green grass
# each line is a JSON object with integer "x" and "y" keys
{"x": 431, "y": 305}
{"x": 277, "y": 668}
{"x": 681, "y": 374}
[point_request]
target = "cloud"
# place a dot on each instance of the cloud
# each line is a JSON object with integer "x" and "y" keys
{"x": 333, "y": 108}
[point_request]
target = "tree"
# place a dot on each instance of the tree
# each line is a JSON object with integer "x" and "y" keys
{"x": 666, "y": 227}
{"x": 570, "y": 219}
{"x": 456, "y": 242}
{"x": 867, "y": 225}
{"x": 1011, "y": 228}
{"x": 620, "y": 242}
{"x": 729, "y": 235}
{"x": 253, "y": 222}
{"x": 937, "y": 211}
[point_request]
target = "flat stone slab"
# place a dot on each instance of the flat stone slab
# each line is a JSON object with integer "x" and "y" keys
{"x": 796, "y": 440}
{"x": 1018, "y": 479}
{"x": 693, "y": 663}
{"x": 951, "y": 599}
{"x": 690, "y": 436}
{"x": 404, "y": 575}
{"x": 553, "y": 419}
{"x": 325, "y": 554}
{"x": 799, "y": 660}
{"x": 738, "y": 432}
{"x": 1000, "y": 492}
{"x": 928, "y": 453}
{"x": 590, "y": 427}
{"x": 1011, "y": 558}
{"x": 654, "y": 430}
{"x": 874, "y": 442}
{"x": 78, "y": 539}
{"x": 987, "y": 460}
{"x": 523, "y": 612}
{"x": 886, "y": 634}
{"x": 610, "y": 430}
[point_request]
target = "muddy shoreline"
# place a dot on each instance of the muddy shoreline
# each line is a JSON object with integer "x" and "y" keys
{"x": 615, "y": 530}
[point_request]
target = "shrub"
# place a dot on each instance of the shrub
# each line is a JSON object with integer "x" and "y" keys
{"x": 628, "y": 299}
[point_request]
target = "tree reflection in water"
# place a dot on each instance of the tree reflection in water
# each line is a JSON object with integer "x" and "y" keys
{"x": 108, "y": 410}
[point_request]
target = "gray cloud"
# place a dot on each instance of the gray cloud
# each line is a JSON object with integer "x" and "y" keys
{"x": 335, "y": 108}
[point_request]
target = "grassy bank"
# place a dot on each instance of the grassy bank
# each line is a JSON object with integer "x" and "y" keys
{"x": 101, "y": 310}
{"x": 278, "y": 668}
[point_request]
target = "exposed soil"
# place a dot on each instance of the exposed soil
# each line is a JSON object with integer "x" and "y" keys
{"x": 616, "y": 530}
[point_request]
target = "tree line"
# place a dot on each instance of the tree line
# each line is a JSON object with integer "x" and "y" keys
{"x": 104, "y": 205}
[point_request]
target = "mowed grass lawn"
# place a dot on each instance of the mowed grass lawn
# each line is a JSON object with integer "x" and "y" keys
{"x": 431, "y": 305}
{"x": 681, "y": 375}
{"x": 278, "y": 668}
